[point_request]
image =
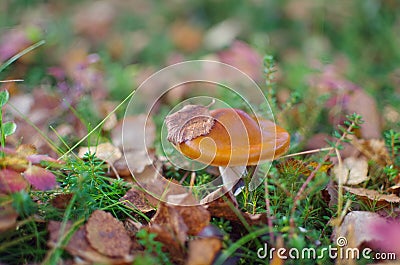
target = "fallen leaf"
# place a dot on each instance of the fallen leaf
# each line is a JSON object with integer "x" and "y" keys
{"x": 11, "y": 181}
{"x": 168, "y": 217}
{"x": 169, "y": 241}
{"x": 202, "y": 251}
{"x": 136, "y": 159}
{"x": 107, "y": 235}
{"x": 188, "y": 123}
{"x": 353, "y": 171}
{"x": 373, "y": 196}
{"x": 152, "y": 181}
{"x": 8, "y": 217}
{"x": 195, "y": 218}
{"x": 14, "y": 162}
{"x": 139, "y": 200}
{"x": 40, "y": 178}
{"x": 137, "y": 142}
{"x": 104, "y": 151}
{"x": 61, "y": 201}
{"x": 373, "y": 149}
{"x": 79, "y": 246}
{"x": 356, "y": 228}
{"x": 37, "y": 159}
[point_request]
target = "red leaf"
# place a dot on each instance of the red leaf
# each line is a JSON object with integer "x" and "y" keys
{"x": 11, "y": 181}
{"x": 40, "y": 178}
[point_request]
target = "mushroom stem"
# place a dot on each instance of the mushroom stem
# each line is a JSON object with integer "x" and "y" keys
{"x": 231, "y": 175}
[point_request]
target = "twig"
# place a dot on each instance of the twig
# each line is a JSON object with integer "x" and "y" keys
{"x": 269, "y": 213}
{"x": 308, "y": 152}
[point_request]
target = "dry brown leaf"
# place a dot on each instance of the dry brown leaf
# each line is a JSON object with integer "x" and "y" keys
{"x": 195, "y": 218}
{"x": 188, "y": 123}
{"x": 137, "y": 143}
{"x": 373, "y": 196}
{"x": 170, "y": 244}
{"x": 168, "y": 217}
{"x": 8, "y": 217}
{"x": 160, "y": 188}
{"x": 353, "y": 171}
{"x": 356, "y": 228}
{"x": 105, "y": 151}
{"x": 107, "y": 235}
{"x": 374, "y": 149}
{"x": 62, "y": 200}
{"x": 202, "y": 251}
{"x": 138, "y": 199}
{"x": 79, "y": 246}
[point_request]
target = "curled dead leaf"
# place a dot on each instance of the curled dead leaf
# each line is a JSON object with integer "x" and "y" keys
{"x": 168, "y": 217}
{"x": 107, "y": 235}
{"x": 188, "y": 123}
{"x": 373, "y": 196}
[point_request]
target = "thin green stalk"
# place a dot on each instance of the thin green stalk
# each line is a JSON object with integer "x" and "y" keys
{"x": 20, "y": 54}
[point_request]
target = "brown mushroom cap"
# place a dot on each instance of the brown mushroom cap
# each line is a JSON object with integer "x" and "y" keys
{"x": 237, "y": 139}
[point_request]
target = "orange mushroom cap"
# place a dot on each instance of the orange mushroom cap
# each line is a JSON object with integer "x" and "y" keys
{"x": 237, "y": 139}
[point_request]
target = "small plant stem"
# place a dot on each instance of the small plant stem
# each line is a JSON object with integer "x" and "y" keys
{"x": 308, "y": 152}
{"x": 340, "y": 184}
{"x": 392, "y": 143}
{"x": 269, "y": 213}
{"x": 3, "y": 137}
{"x": 20, "y": 54}
{"x": 11, "y": 80}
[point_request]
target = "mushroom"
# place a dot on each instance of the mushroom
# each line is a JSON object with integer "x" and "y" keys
{"x": 230, "y": 139}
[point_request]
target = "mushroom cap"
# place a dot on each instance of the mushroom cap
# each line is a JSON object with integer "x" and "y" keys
{"x": 237, "y": 139}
